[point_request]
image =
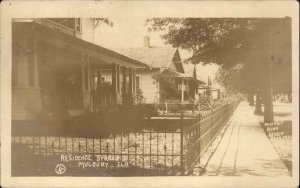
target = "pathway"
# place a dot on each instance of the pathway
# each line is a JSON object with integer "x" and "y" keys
{"x": 245, "y": 150}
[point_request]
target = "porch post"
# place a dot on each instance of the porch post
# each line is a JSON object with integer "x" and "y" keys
{"x": 36, "y": 60}
{"x": 130, "y": 87}
{"x": 114, "y": 83}
{"x": 98, "y": 77}
{"x": 118, "y": 78}
{"x": 89, "y": 83}
{"x": 82, "y": 72}
{"x": 134, "y": 81}
{"x": 89, "y": 74}
{"x": 182, "y": 91}
{"x": 124, "y": 90}
{"x": 118, "y": 85}
{"x": 22, "y": 64}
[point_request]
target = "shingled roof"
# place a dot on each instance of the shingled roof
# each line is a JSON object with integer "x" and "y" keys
{"x": 155, "y": 57}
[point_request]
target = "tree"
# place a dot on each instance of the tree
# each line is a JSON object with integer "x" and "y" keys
{"x": 229, "y": 42}
{"x": 168, "y": 87}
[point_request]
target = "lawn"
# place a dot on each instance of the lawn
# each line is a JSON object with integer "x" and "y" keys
{"x": 280, "y": 132}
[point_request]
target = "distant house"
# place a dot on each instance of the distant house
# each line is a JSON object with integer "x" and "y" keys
{"x": 56, "y": 68}
{"x": 164, "y": 60}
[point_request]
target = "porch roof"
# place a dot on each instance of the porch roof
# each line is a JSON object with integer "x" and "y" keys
{"x": 154, "y": 56}
{"x": 44, "y": 32}
{"x": 175, "y": 74}
{"x": 208, "y": 87}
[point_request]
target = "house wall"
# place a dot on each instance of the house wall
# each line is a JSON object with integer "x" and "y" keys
{"x": 26, "y": 95}
{"x": 149, "y": 88}
{"x": 87, "y": 29}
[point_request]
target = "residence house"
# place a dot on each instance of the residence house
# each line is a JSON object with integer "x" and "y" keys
{"x": 164, "y": 60}
{"x": 56, "y": 69}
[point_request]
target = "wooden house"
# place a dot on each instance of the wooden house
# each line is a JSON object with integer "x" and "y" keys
{"x": 164, "y": 60}
{"x": 56, "y": 68}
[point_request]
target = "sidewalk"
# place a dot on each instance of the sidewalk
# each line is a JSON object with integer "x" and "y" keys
{"x": 245, "y": 150}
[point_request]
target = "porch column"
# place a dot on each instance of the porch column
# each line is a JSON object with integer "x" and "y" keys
{"x": 89, "y": 83}
{"x": 26, "y": 95}
{"x": 114, "y": 82}
{"x": 85, "y": 83}
{"x": 98, "y": 77}
{"x": 124, "y": 90}
{"x": 89, "y": 73}
{"x": 130, "y": 87}
{"x": 27, "y": 64}
{"x": 118, "y": 78}
{"x": 98, "y": 98}
{"x": 92, "y": 72}
{"x": 134, "y": 81}
{"x": 36, "y": 60}
{"x": 82, "y": 73}
{"x": 22, "y": 64}
{"x": 182, "y": 91}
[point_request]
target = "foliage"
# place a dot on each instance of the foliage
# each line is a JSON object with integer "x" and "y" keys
{"x": 230, "y": 42}
{"x": 168, "y": 87}
{"x": 205, "y": 102}
{"x": 130, "y": 99}
{"x": 139, "y": 98}
{"x": 237, "y": 79}
{"x": 211, "y": 40}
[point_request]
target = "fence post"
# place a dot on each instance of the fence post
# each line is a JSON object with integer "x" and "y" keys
{"x": 181, "y": 144}
{"x": 166, "y": 107}
{"x": 211, "y": 123}
{"x": 199, "y": 130}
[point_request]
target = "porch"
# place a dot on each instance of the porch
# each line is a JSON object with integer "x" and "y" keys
{"x": 186, "y": 85}
{"x": 55, "y": 74}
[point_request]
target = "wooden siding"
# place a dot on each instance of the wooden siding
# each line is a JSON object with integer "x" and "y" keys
{"x": 149, "y": 88}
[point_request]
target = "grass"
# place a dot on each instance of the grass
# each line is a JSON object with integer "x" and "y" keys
{"x": 280, "y": 135}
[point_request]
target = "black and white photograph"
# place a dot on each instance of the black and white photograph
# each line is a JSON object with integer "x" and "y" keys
{"x": 134, "y": 95}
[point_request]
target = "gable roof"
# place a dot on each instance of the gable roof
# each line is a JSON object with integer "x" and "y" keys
{"x": 155, "y": 57}
{"x": 190, "y": 73}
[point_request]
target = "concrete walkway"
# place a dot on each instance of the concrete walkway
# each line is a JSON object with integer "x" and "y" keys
{"x": 245, "y": 150}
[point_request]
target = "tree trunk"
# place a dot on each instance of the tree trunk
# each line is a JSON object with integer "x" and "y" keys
{"x": 251, "y": 98}
{"x": 258, "y": 110}
{"x": 268, "y": 108}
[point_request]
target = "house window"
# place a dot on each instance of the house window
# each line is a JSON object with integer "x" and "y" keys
{"x": 103, "y": 79}
{"x": 138, "y": 82}
{"x": 72, "y": 23}
{"x": 78, "y": 24}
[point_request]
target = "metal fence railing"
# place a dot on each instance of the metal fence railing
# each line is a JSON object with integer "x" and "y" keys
{"x": 198, "y": 137}
{"x": 166, "y": 147}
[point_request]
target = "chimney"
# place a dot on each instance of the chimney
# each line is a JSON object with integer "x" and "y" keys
{"x": 146, "y": 42}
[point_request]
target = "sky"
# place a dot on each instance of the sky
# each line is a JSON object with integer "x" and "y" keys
{"x": 128, "y": 31}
